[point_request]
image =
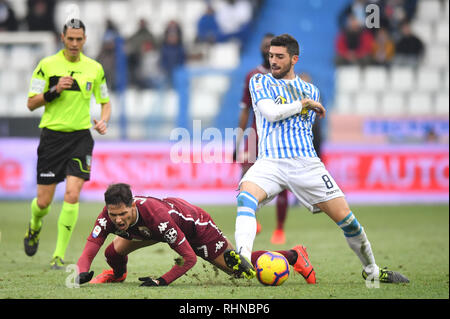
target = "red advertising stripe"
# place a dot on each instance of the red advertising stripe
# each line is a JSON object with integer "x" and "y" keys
{"x": 390, "y": 169}
{"x": 155, "y": 170}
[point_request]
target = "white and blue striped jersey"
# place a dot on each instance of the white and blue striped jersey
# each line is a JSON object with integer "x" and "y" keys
{"x": 291, "y": 137}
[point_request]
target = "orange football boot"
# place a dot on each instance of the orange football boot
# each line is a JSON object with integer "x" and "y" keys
{"x": 278, "y": 237}
{"x": 107, "y": 276}
{"x": 303, "y": 266}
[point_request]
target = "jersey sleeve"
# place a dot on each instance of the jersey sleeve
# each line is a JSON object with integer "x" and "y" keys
{"x": 102, "y": 227}
{"x": 39, "y": 81}
{"x": 94, "y": 241}
{"x": 259, "y": 88}
{"x": 100, "y": 87}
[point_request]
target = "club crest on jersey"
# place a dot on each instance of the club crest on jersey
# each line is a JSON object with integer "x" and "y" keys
{"x": 280, "y": 100}
{"x": 145, "y": 231}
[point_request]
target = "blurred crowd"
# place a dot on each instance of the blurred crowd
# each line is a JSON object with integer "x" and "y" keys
{"x": 40, "y": 14}
{"x": 151, "y": 60}
{"x": 389, "y": 41}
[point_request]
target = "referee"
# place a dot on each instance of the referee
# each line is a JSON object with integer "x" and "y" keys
{"x": 64, "y": 83}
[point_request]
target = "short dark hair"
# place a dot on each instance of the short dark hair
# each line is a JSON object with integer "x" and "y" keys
{"x": 287, "y": 41}
{"x": 74, "y": 24}
{"x": 119, "y": 193}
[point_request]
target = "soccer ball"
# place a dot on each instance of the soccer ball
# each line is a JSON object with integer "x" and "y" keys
{"x": 272, "y": 269}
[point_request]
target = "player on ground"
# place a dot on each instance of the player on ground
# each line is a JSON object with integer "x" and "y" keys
{"x": 285, "y": 109}
{"x": 189, "y": 230}
{"x": 251, "y": 142}
{"x": 64, "y": 84}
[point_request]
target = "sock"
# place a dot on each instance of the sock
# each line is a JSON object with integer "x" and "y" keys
{"x": 245, "y": 231}
{"x": 291, "y": 255}
{"x": 357, "y": 240}
{"x": 66, "y": 223}
{"x": 117, "y": 262}
{"x": 37, "y": 214}
{"x": 282, "y": 205}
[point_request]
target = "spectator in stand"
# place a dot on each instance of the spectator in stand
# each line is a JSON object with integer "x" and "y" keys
{"x": 384, "y": 48}
{"x": 394, "y": 12}
{"x": 233, "y": 18}
{"x": 148, "y": 73}
{"x": 8, "y": 21}
{"x": 173, "y": 53}
{"x": 40, "y": 15}
{"x": 140, "y": 43}
{"x": 207, "y": 28}
{"x": 356, "y": 8}
{"x": 173, "y": 26}
{"x": 107, "y": 55}
{"x": 354, "y": 44}
{"x": 409, "y": 48}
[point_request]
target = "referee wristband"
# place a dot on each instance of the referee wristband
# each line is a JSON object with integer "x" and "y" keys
{"x": 51, "y": 94}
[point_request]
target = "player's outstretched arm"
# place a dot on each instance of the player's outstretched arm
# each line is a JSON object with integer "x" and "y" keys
{"x": 84, "y": 262}
{"x": 189, "y": 260}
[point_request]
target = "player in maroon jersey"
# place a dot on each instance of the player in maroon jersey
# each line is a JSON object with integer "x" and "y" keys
{"x": 189, "y": 230}
{"x": 251, "y": 142}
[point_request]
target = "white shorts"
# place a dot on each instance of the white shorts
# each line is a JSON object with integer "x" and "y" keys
{"x": 307, "y": 178}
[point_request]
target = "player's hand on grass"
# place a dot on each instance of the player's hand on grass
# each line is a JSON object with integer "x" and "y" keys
{"x": 150, "y": 282}
{"x": 84, "y": 277}
{"x": 315, "y": 106}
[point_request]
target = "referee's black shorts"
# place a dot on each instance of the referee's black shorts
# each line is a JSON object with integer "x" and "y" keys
{"x": 64, "y": 153}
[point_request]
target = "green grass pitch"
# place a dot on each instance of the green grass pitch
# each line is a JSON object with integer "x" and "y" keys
{"x": 411, "y": 239}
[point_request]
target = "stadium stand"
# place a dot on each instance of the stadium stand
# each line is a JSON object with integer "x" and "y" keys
{"x": 401, "y": 90}
{"x": 209, "y": 86}
{"x": 134, "y": 109}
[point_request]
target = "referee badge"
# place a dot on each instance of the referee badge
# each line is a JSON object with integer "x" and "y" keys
{"x": 88, "y": 86}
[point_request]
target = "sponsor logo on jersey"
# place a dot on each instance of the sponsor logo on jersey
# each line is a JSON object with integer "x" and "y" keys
{"x": 102, "y": 222}
{"x": 162, "y": 227}
{"x": 219, "y": 245}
